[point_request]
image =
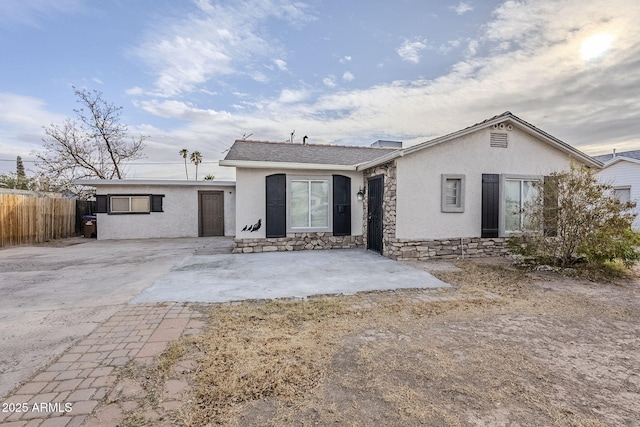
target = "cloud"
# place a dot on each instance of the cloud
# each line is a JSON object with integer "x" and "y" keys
{"x": 348, "y": 77}
{"x": 134, "y": 91}
{"x": 472, "y": 47}
{"x": 216, "y": 40}
{"x": 24, "y": 111}
{"x": 462, "y": 8}
{"x": 288, "y": 96}
{"x": 546, "y": 83}
{"x": 345, "y": 59}
{"x": 410, "y": 50}
{"x": 281, "y": 64}
{"x": 21, "y": 121}
{"x": 329, "y": 81}
{"x": 449, "y": 46}
{"x": 524, "y": 60}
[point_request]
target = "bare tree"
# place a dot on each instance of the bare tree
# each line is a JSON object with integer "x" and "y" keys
{"x": 96, "y": 145}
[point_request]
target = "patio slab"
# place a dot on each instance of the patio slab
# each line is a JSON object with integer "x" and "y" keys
{"x": 235, "y": 277}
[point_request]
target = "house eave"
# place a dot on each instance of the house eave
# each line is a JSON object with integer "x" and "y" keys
{"x": 152, "y": 182}
{"x": 252, "y": 164}
{"x": 380, "y": 160}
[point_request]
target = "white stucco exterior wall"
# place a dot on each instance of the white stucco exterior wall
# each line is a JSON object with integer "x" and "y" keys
{"x": 251, "y": 200}
{"x": 624, "y": 174}
{"x": 419, "y": 213}
{"x": 180, "y": 216}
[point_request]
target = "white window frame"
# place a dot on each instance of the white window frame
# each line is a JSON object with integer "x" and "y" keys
{"x": 329, "y": 181}
{"x": 617, "y": 189}
{"x": 130, "y": 204}
{"x": 503, "y": 202}
{"x": 458, "y": 206}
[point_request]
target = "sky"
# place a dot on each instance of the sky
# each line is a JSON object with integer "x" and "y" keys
{"x": 199, "y": 74}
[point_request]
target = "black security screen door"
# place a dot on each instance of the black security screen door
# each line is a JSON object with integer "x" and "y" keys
{"x": 374, "y": 218}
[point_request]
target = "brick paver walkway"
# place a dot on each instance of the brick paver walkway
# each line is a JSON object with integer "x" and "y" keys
{"x": 68, "y": 390}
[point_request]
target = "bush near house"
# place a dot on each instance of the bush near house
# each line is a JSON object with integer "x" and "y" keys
{"x": 575, "y": 218}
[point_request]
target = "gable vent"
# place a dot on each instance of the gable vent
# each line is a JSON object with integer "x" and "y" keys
{"x": 499, "y": 140}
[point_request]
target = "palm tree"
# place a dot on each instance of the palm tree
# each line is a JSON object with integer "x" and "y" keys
{"x": 184, "y": 153}
{"x": 196, "y": 159}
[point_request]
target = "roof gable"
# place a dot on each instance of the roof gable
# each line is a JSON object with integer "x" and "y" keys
{"x": 506, "y": 119}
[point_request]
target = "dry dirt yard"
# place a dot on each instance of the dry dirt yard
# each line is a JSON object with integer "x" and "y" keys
{"x": 499, "y": 348}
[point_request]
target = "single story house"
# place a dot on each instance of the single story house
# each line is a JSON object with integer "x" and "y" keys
{"x": 460, "y": 194}
{"x": 622, "y": 171}
{"x": 139, "y": 209}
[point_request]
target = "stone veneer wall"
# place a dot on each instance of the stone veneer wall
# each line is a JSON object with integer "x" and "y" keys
{"x": 388, "y": 171}
{"x": 407, "y": 249}
{"x": 297, "y": 242}
{"x": 397, "y": 249}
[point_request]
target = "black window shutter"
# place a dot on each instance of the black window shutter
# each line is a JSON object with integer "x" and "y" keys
{"x": 490, "y": 204}
{"x": 550, "y": 211}
{"x": 156, "y": 202}
{"x": 341, "y": 205}
{"x": 102, "y": 203}
{"x": 276, "y": 192}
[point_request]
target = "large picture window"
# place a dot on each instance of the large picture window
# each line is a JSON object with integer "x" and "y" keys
{"x": 309, "y": 203}
{"x": 519, "y": 197}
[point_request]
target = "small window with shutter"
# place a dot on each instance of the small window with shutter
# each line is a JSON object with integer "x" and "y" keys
{"x": 452, "y": 193}
{"x": 129, "y": 203}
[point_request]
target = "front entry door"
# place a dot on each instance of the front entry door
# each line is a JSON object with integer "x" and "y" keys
{"x": 374, "y": 217}
{"x": 211, "y": 213}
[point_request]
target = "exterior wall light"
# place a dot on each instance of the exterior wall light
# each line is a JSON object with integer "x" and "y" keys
{"x": 360, "y": 193}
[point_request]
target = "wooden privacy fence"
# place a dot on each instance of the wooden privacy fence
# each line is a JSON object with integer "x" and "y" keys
{"x": 26, "y": 219}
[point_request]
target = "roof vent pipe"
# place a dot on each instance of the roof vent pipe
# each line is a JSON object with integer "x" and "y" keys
{"x": 614, "y": 153}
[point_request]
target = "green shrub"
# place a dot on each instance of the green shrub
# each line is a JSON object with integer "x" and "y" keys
{"x": 576, "y": 218}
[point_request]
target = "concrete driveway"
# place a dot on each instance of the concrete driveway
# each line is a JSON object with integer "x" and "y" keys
{"x": 55, "y": 294}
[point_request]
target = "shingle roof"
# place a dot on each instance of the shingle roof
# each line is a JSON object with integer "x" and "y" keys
{"x": 286, "y": 152}
{"x": 634, "y": 154}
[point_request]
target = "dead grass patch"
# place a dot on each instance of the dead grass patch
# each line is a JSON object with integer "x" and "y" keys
{"x": 497, "y": 348}
{"x": 259, "y": 350}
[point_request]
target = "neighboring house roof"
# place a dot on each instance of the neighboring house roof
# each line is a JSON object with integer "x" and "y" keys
{"x": 262, "y": 154}
{"x": 605, "y": 158}
{"x": 506, "y": 119}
